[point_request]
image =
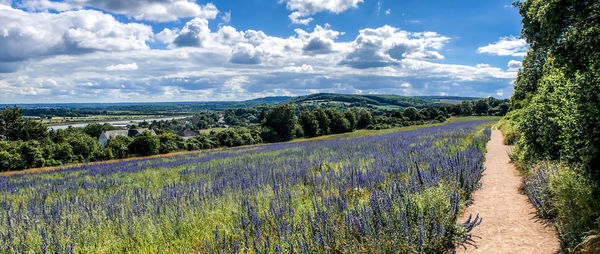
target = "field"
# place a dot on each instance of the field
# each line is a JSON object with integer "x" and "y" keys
{"x": 96, "y": 118}
{"x": 393, "y": 192}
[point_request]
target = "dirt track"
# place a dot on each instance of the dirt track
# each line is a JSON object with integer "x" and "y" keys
{"x": 509, "y": 221}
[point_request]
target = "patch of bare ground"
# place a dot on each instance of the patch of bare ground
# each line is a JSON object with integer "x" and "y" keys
{"x": 510, "y": 224}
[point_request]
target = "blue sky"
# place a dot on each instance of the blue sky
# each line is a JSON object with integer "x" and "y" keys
{"x": 185, "y": 50}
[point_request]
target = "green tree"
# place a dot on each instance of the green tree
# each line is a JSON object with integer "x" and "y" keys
{"x": 481, "y": 107}
{"x": 339, "y": 123}
{"x": 170, "y": 142}
{"x": 429, "y": 113}
{"x": 33, "y": 130}
{"x": 96, "y": 129}
{"x": 351, "y": 119}
{"x": 144, "y": 144}
{"x": 32, "y": 154}
{"x": 323, "y": 120}
{"x": 83, "y": 145}
{"x": 363, "y": 117}
{"x": 309, "y": 123}
{"x": 466, "y": 108}
{"x": 282, "y": 120}
{"x": 411, "y": 113}
{"x": 11, "y": 122}
{"x": 119, "y": 146}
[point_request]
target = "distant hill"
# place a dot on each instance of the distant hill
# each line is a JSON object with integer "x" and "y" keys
{"x": 382, "y": 102}
{"x": 376, "y": 103}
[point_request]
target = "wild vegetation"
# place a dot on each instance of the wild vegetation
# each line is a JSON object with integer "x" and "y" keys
{"x": 556, "y": 117}
{"x": 29, "y": 144}
{"x": 393, "y": 192}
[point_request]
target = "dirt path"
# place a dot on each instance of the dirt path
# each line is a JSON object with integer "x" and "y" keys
{"x": 509, "y": 223}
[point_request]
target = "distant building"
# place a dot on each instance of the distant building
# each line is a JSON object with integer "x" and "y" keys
{"x": 187, "y": 134}
{"x": 106, "y": 135}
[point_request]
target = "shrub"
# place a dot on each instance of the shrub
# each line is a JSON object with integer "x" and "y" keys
{"x": 145, "y": 144}
{"x": 577, "y": 209}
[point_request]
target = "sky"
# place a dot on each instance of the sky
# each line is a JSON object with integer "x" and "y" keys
{"x": 186, "y": 50}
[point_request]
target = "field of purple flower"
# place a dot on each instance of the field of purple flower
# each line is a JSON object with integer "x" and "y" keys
{"x": 390, "y": 193}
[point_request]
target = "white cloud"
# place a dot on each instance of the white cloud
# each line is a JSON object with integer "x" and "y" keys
{"x": 388, "y": 11}
{"x": 514, "y": 65}
{"x": 227, "y": 64}
{"x": 245, "y": 53}
{"x": 193, "y": 34}
{"x": 297, "y": 18}
{"x": 122, "y": 67}
{"x": 26, "y": 35}
{"x": 152, "y": 10}
{"x": 506, "y": 46}
{"x": 302, "y": 9}
{"x": 305, "y": 68}
{"x": 386, "y": 45}
{"x": 167, "y": 35}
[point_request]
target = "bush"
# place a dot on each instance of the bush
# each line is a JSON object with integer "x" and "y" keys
{"x": 508, "y": 127}
{"x": 145, "y": 144}
{"x": 170, "y": 142}
{"x": 119, "y": 146}
{"x": 577, "y": 209}
{"x": 566, "y": 196}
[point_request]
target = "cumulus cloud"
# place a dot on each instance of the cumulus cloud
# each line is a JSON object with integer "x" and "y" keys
{"x": 320, "y": 41}
{"x": 225, "y": 64}
{"x": 26, "y": 35}
{"x": 152, "y": 10}
{"x": 193, "y": 34}
{"x": 122, "y": 67}
{"x": 506, "y": 46}
{"x": 386, "y": 45}
{"x": 514, "y": 65}
{"x": 302, "y": 9}
{"x": 245, "y": 54}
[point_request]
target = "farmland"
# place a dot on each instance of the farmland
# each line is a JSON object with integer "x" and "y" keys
{"x": 391, "y": 192}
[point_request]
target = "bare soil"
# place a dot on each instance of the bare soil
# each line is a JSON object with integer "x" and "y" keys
{"x": 510, "y": 224}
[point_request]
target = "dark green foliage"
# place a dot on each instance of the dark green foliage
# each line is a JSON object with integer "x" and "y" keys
{"x": 323, "y": 120}
{"x": 95, "y": 129}
{"x": 83, "y": 146}
{"x": 309, "y": 123}
{"x": 145, "y": 144}
{"x": 527, "y": 78}
{"x": 119, "y": 146}
{"x": 363, "y": 117}
{"x": 430, "y": 113}
{"x": 339, "y": 123}
{"x": 411, "y": 113}
{"x": 11, "y": 123}
{"x": 32, "y": 154}
{"x": 481, "y": 107}
{"x": 466, "y": 108}
{"x": 33, "y": 130}
{"x": 201, "y": 141}
{"x": 282, "y": 120}
{"x": 351, "y": 119}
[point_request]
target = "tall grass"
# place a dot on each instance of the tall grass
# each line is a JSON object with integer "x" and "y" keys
{"x": 565, "y": 196}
